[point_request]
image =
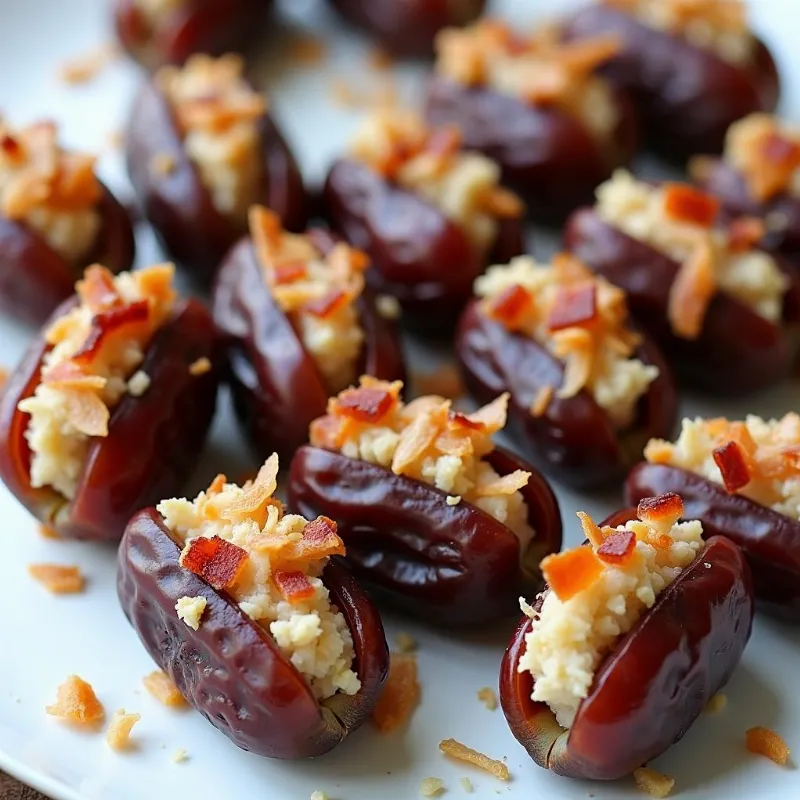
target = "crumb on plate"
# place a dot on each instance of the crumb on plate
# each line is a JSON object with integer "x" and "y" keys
{"x": 159, "y": 685}
{"x": 431, "y": 787}
{"x": 180, "y": 756}
{"x": 58, "y": 578}
{"x": 766, "y": 742}
{"x": 488, "y": 697}
{"x": 653, "y": 783}
{"x": 400, "y": 695}
{"x": 118, "y": 735}
{"x": 459, "y": 751}
{"x": 87, "y": 66}
{"x": 466, "y": 784}
{"x": 48, "y": 532}
{"x": 717, "y": 703}
{"x": 77, "y": 703}
{"x": 318, "y": 795}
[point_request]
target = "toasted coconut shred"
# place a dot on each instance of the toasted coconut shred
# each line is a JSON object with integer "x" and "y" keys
{"x": 429, "y": 442}
{"x": 51, "y": 190}
{"x": 463, "y": 186}
{"x": 218, "y": 113}
{"x": 765, "y": 452}
{"x": 582, "y": 320}
{"x": 538, "y": 69}
{"x": 680, "y": 222}
{"x": 318, "y": 292}
{"x": 597, "y": 593}
{"x": 239, "y": 539}
{"x": 96, "y": 348}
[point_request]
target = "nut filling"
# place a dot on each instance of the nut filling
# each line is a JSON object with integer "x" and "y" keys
{"x": 239, "y": 540}
{"x": 598, "y": 593}
{"x": 318, "y": 293}
{"x": 427, "y": 441}
{"x": 680, "y": 222}
{"x": 758, "y": 459}
{"x": 52, "y": 191}
{"x": 537, "y": 69}
{"x": 217, "y": 113}
{"x": 463, "y": 186}
{"x": 580, "y": 318}
{"x": 96, "y": 349}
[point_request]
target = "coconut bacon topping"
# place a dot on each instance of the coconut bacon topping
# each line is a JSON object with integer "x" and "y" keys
{"x": 581, "y": 319}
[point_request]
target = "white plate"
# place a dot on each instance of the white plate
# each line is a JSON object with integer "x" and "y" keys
{"x": 44, "y": 638}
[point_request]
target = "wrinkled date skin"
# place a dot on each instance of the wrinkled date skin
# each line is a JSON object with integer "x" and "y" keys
{"x": 770, "y": 541}
{"x": 546, "y": 155}
{"x": 573, "y": 439}
{"x": 35, "y": 279}
{"x": 656, "y": 682}
{"x": 231, "y": 669}
{"x": 408, "y": 27}
{"x": 447, "y": 565}
{"x": 177, "y": 203}
{"x": 687, "y": 96}
{"x": 198, "y": 26}
{"x": 419, "y": 256}
{"x": 153, "y": 441}
{"x": 737, "y": 351}
{"x": 277, "y": 388}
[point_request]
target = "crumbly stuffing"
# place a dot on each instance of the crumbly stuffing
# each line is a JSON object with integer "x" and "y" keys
{"x": 579, "y": 317}
{"x": 58, "y": 578}
{"x": 539, "y": 69}
{"x": 400, "y": 695}
{"x": 766, "y": 742}
{"x": 465, "y": 187}
{"x": 459, "y": 751}
{"x": 164, "y": 690}
{"x": 239, "y": 539}
{"x": 431, "y": 787}
{"x": 598, "y": 593}
{"x": 118, "y": 735}
{"x": 765, "y": 452}
{"x": 217, "y": 112}
{"x": 95, "y": 349}
{"x": 190, "y": 610}
{"x": 77, "y": 703}
{"x": 681, "y": 222}
{"x": 53, "y": 191}
{"x": 427, "y": 441}
{"x": 156, "y": 10}
{"x": 653, "y": 783}
{"x": 139, "y": 383}
{"x": 488, "y": 697}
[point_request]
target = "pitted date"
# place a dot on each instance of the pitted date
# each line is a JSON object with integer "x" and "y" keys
{"x": 231, "y": 669}
{"x": 153, "y": 440}
{"x": 446, "y": 564}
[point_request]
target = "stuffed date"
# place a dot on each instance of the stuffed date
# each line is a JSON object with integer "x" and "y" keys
{"x": 437, "y": 522}
{"x": 586, "y": 390}
{"x": 243, "y": 606}
{"x": 110, "y": 406}
{"x": 635, "y": 632}
{"x": 201, "y": 148}
{"x": 430, "y": 216}
{"x": 537, "y": 108}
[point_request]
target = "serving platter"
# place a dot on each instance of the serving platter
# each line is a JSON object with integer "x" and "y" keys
{"x": 44, "y": 638}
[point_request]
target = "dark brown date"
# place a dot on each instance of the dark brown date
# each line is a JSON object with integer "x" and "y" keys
{"x": 687, "y": 96}
{"x": 447, "y": 565}
{"x": 573, "y": 439}
{"x": 231, "y": 669}
{"x": 153, "y": 440}
{"x": 177, "y": 203}
{"x": 676, "y": 657}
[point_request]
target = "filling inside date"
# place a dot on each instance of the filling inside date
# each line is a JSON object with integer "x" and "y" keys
{"x": 463, "y": 186}
{"x": 318, "y": 293}
{"x": 217, "y": 113}
{"x": 582, "y": 319}
{"x": 758, "y": 459}
{"x": 681, "y": 222}
{"x": 155, "y": 11}
{"x": 239, "y": 540}
{"x": 52, "y": 191}
{"x": 537, "y": 69}
{"x": 427, "y": 441}
{"x": 95, "y": 349}
{"x": 597, "y": 593}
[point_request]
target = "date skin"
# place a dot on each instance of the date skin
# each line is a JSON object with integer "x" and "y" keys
{"x": 573, "y": 439}
{"x": 419, "y": 256}
{"x": 770, "y": 541}
{"x": 35, "y": 279}
{"x": 177, "y": 203}
{"x": 408, "y": 27}
{"x": 737, "y": 352}
{"x": 687, "y": 96}
{"x": 153, "y": 441}
{"x": 230, "y": 669}
{"x": 447, "y": 565}
{"x": 277, "y": 388}
{"x": 548, "y": 156}
{"x": 677, "y": 656}
{"x": 199, "y": 26}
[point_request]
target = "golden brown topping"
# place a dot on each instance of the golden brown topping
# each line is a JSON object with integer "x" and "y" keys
{"x": 692, "y": 291}
{"x": 571, "y": 572}
{"x": 765, "y": 742}
{"x": 294, "y": 586}
{"x": 57, "y": 578}
{"x": 164, "y": 690}
{"x": 217, "y": 561}
{"x": 684, "y": 203}
{"x": 653, "y": 783}
{"x": 459, "y": 751}
{"x": 661, "y": 512}
{"x": 200, "y": 367}
{"x": 77, "y": 703}
{"x": 488, "y": 698}
{"x": 400, "y": 695}
{"x": 119, "y": 731}
{"x": 88, "y": 66}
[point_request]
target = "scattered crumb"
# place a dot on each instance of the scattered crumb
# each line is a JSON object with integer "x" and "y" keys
{"x": 4, "y": 371}
{"x": 653, "y": 783}
{"x": 138, "y": 383}
{"x": 488, "y": 697}
{"x": 765, "y": 742}
{"x": 58, "y": 578}
{"x": 200, "y": 367}
{"x": 180, "y": 756}
{"x": 405, "y": 642}
{"x": 115, "y": 139}
{"x": 76, "y": 702}
{"x": 466, "y": 784}
{"x": 400, "y": 695}
{"x": 388, "y": 306}
{"x": 459, "y": 751}
{"x": 453, "y": 499}
{"x": 190, "y": 610}
{"x": 48, "y": 532}
{"x": 717, "y": 703}
{"x": 445, "y": 382}
{"x": 380, "y": 59}
{"x": 162, "y": 164}
{"x": 318, "y": 795}
{"x": 119, "y": 731}
{"x": 163, "y": 689}
{"x": 541, "y": 401}
{"x": 431, "y": 787}
{"x": 379, "y": 93}
{"x": 88, "y": 66}
{"x": 307, "y": 50}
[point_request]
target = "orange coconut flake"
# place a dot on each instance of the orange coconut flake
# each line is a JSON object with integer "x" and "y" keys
{"x": 656, "y": 784}
{"x": 58, "y": 578}
{"x": 692, "y": 291}
{"x": 400, "y": 696}
{"x": 460, "y": 752}
{"x": 77, "y": 703}
{"x": 766, "y": 742}
{"x": 572, "y": 571}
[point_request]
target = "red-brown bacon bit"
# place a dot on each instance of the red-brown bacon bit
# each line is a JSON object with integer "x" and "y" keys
{"x": 215, "y": 560}
{"x": 574, "y": 305}
{"x": 288, "y": 273}
{"x": 658, "y": 509}
{"x": 466, "y": 422}
{"x": 365, "y": 404}
{"x": 11, "y": 146}
{"x": 327, "y": 304}
{"x": 687, "y": 204}
{"x": 510, "y": 305}
{"x": 105, "y": 323}
{"x": 294, "y": 586}
{"x": 617, "y": 547}
{"x": 732, "y": 463}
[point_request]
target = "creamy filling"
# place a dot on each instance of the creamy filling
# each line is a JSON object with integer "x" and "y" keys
{"x": 156, "y": 10}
